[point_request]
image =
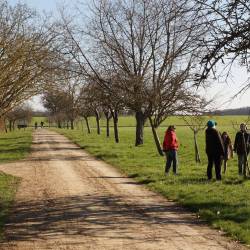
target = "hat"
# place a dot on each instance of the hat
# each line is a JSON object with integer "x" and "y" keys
{"x": 171, "y": 127}
{"x": 211, "y": 123}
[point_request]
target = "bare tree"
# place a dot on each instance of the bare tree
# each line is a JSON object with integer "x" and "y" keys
{"x": 150, "y": 48}
{"x": 196, "y": 122}
{"x": 22, "y": 113}
{"x": 228, "y": 23}
{"x": 28, "y": 56}
{"x": 64, "y": 100}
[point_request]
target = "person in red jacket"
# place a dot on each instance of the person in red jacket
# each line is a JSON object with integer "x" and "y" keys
{"x": 170, "y": 147}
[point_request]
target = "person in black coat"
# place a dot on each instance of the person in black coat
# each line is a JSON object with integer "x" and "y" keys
{"x": 242, "y": 147}
{"x": 214, "y": 150}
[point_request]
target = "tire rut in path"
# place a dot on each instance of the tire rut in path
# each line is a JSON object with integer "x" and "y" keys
{"x": 69, "y": 200}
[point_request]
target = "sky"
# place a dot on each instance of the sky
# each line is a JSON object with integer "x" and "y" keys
{"x": 47, "y": 5}
{"x": 221, "y": 91}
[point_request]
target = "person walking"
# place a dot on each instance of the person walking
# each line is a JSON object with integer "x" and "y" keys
{"x": 228, "y": 149}
{"x": 170, "y": 147}
{"x": 242, "y": 147}
{"x": 214, "y": 150}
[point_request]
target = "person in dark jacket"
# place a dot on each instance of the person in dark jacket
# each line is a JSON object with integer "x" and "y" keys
{"x": 170, "y": 147}
{"x": 242, "y": 147}
{"x": 214, "y": 150}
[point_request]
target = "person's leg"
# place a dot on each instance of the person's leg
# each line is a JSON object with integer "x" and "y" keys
{"x": 209, "y": 167}
{"x": 169, "y": 161}
{"x": 175, "y": 162}
{"x": 217, "y": 163}
{"x": 244, "y": 170}
{"x": 225, "y": 166}
{"x": 240, "y": 163}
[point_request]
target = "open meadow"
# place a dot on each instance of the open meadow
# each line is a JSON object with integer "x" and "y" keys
{"x": 225, "y": 205}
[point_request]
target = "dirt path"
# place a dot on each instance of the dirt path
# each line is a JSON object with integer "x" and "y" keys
{"x": 69, "y": 200}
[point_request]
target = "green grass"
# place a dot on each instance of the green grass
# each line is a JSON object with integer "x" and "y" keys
{"x": 224, "y": 205}
{"x": 8, "y": 187}
{"x": 13, "y": 146}
{"x": 39, "y": 120}
{"x": 129, "y": 121}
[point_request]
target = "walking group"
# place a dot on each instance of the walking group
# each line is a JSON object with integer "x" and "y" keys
{"x": 219, "y": 149}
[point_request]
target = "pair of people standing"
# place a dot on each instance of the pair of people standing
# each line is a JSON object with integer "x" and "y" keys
{"x": 219, "y": 148}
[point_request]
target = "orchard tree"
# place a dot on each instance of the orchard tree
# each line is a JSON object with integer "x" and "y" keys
{"x": 150, "y": 46}
{"x": 28, "y": 55}
{"x": 196, "y": 122}
{"x": 22, "y": 113}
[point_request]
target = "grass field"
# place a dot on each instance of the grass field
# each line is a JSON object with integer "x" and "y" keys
{"x": 13, "y": 146}
{"x": 39, "y": 120}
{"x": 129, "y": 121}
{"x": 224, "y": 205}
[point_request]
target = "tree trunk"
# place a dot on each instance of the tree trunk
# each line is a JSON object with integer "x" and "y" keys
{"x": 107, "y": 115}
{"x": 156, "y": 138}
{"x": 5, "y": 126}
{"x": 97, "y": 116}
{"x": 196, "y": 149}
{"x": 59, "y": 124}
{"x": 140, "y": 121}
{"x": 2, "y": 124}
{"x": 87, "y": 123}
{"x": 67, "y": 125}
{"x": 10, "y": 126}
{"x": 115, "y": 120}
{"x": 72, "y": 124}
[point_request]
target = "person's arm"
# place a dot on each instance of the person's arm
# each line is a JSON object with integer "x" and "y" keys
{"x": 231, "y": 150}
{"x": 248, "y": 143}
{"x": 221, "y": 145}
{"x": 235, "y": 142}
{"x": 164, "y": 143}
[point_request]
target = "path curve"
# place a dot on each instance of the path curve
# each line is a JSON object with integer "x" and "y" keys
{"x": 69, "y": 200}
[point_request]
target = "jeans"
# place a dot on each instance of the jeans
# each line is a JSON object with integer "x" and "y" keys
{"x": 171, "y": 157}
{"x": 242, "y": 164}
{"x": 217, "y": 161}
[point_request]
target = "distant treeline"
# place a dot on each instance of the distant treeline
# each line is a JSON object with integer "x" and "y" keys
{"x": 239, "y": 111}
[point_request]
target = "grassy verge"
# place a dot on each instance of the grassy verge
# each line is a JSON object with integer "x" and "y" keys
{"x": 13, "y": 146}
{"x": 224, "y": 205}
{"x": 8, "y": 187}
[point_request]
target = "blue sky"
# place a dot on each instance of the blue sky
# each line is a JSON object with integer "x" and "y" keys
{"x": 223, "y": 91}
{"x": 47, "y": 5}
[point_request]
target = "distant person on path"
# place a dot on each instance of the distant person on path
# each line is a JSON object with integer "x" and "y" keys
{"x": 241, "y": 147}
{"x": 228, "y": 149}
{"x": 35, "y": 125}
{"x": 170, "y": 147}
{"x": 42, "y": 124}
{"x": 214, "y": 150}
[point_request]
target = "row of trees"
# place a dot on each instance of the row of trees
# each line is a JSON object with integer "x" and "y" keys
{"x": 28, "y": 55}
{"x": 149, "y": 57}
{"x": 142, "y": 56}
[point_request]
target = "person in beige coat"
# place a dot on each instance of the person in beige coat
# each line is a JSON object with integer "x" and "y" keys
{"x": 228, "y": 149}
